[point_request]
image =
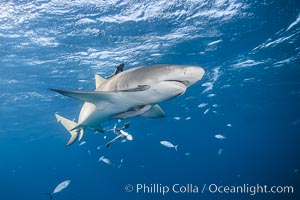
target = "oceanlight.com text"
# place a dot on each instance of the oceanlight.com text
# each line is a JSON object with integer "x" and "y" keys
{"x": 249, "y": 189}
{"x": 156, "y": 188}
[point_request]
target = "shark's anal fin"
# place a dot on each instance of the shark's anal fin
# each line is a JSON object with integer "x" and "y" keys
{"x": 68, "y": 124}
{"x": 99, "y": 80}
{"x": 154, "y": 112}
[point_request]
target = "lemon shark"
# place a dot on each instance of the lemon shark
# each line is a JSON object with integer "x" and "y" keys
{"x": 134, "y": 92}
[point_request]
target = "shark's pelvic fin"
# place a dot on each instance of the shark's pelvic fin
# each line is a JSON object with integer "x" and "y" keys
{"x": 154, "y": 112}
{"x": 99, "y": 80}
{"x": 136, "y": 111}
{"x": 68, "y": 124}
{"x": 149, "y": 111}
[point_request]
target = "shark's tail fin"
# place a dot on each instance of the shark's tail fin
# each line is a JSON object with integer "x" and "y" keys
{"x": 50, "y": 195}
{"x": 69, "y": 125}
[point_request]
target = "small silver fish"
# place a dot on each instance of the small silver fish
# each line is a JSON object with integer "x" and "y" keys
{"x": 207, "y": 84}
{"x": 220, "y": 137}
{"x": 169, "y": 144}
{"x": 123, "y": 141}
{"x": 214, "y": 42}
{"x": 211, "y": 95}
{"x": 202, "y": 105}
{"x": 220, "y": 151}
{"x": 59, "y": 188}
{"x": 82, "y": 143}
{"x": 176, "y": 118}
{"x": 105, "y": 160}
{"x": 206, "y": 111}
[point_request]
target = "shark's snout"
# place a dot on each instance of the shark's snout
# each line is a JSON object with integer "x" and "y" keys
{"x": 193, "y": 70}
{"x": 187, "y": 75}
{"x": 193, "y": 74}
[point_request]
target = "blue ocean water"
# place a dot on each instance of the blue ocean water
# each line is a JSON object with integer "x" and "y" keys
{"x": 250, "y": 94}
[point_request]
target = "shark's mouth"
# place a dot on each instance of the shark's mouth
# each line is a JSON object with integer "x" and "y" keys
{"x": 184, "y": 83}
{"x": 181, "y": 86}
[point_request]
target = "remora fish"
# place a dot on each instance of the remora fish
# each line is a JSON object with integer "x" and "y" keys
{"x": 59, "y": 188}
{"x": 134, "y": 92}
{"x": 122, "y": 134}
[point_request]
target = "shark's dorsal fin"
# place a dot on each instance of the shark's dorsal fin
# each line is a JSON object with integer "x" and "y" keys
{"x": 99, "y": 80}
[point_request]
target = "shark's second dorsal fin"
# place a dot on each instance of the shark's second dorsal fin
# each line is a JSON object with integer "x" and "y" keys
{"x": 99, "y": 80}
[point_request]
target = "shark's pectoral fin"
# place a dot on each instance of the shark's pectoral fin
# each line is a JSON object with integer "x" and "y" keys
{"x": 87, "y": 96}
{"x": 98, "y": 96}
{"x": 154, "y": 112}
